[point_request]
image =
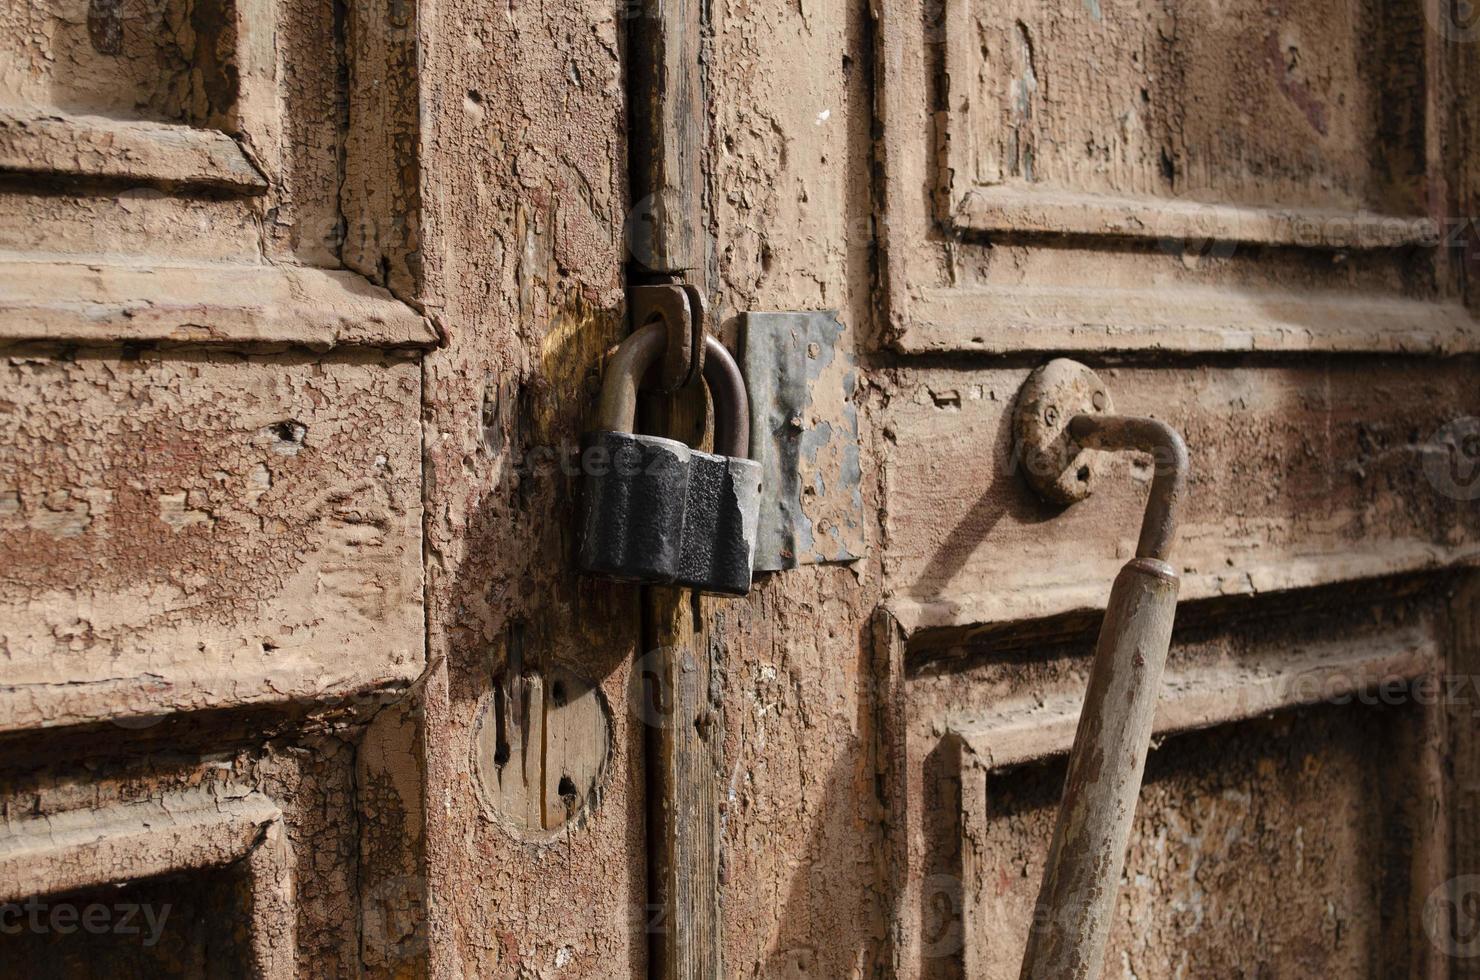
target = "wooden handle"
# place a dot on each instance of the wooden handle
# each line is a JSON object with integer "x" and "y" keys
{"x": 1077, "y": 898}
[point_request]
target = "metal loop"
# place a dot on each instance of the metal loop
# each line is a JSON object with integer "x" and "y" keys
{"x": 617, "y": 410}
{"x": 1170, "y": 467}
{"x": 680, "y": 307}
{"x": 731, "y": 402}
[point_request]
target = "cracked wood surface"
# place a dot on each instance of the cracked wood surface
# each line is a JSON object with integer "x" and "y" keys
{"x": 244, "y": 635}
{"x": 92, "y": 146}
{"x": 244, "y": 533}
{"x": 1305, "y": 476}
{"x": 101, "y": 303}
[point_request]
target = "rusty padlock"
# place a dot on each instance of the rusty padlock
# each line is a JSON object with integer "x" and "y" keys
{"x": 656, "y": 510}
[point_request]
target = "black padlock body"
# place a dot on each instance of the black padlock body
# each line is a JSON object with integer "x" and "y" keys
{"x": 720, "y": 524}
{"x": 635, "y": 494}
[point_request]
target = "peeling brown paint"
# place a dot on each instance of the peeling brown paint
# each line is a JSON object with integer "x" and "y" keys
{"x": 270, "y": 547}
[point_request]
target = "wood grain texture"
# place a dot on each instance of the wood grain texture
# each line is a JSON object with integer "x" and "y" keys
{"x": 1034, "y": 210}
{"x": 519, "y": 135}
{"x": 1276, "y": 856}
{"x": 789, "y": 181}
{"x": 1021, "y": 730}
{"x": 1050, "y": 177}
{"x": 114, "y": 843}
{"x": 380, "y": 194}
{"x": 1213, "y": 103}
{"x": 239, "y": 535}
{"x": 473, "y": 164}
{"x": 665, "y": 236}
{"x": 1017, "y": 317}
{"x": 1217, "y": 829}
{"x": 101, "y": 303}
{"x": 1462, "y": 652}
{"x": 668, "y": 118}
{"x": 684, "y": 798}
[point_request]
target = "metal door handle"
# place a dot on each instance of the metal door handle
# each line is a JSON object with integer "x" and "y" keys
{"x": 1071, "y": 920}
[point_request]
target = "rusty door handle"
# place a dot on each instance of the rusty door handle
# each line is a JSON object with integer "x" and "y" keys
{"x": 1071, "y": 919}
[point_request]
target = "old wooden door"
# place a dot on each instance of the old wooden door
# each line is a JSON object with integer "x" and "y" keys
{"x": 304, "y": 307}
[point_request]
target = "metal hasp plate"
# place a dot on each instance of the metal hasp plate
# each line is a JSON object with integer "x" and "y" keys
{"x": 804, "y": 433}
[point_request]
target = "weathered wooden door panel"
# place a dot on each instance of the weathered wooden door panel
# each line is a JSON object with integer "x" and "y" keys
{"x": 1291, "y": 857}
{"x": 1297, "y": 765}
{"x": 1307, "y": 475}
{"x": 237, "y": 538}
{"x": 1249, "y": 220}
{"x": 303, "y": 311}
{"x": 211, "y": 511}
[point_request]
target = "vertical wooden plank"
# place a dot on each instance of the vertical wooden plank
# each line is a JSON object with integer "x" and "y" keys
{"x": 523, "y": 152}
{"x": 788, "y": 194}
{"x": 892, "y": 776}
{"x": 665, "y": 233}
{"x": 380, "y": 197}
{"x": 974, "y": 860}
{"x": 1463, "y": 659}
{"x": 683, "y": 810}
{"x": 1431, "y": 852}
{"x": 1450, "y": 18}
{"x": 665, "y": 239}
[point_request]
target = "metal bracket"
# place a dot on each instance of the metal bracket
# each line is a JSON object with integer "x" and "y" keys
{"x": 681, "y": 309}
{"x": 1064, "y": 424}
{"x": 1057, "y": 467}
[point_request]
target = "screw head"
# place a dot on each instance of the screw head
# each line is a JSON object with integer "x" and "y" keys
{"x": 1051, "y": 415}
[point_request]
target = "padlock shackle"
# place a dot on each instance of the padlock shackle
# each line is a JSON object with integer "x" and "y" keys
{"x": 731, "y": 400}
{"x": 617, "y": 410}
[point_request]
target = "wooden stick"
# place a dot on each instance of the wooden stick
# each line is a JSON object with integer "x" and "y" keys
{"x": 1077, "y": 899}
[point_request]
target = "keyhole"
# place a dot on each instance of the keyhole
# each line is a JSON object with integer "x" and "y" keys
{"x": 501, "y": 752}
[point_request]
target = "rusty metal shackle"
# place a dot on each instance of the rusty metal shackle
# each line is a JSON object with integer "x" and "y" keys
{"x": 617, "y": 409}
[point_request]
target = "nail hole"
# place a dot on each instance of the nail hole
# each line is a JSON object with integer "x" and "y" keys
{"x": 1083, "y": 474}
{"x": 290, "y": 431}
{"x": 557, "y": 694}
{"x": 567, "y": 791}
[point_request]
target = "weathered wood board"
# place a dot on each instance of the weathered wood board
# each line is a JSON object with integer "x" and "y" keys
{"x": 203, "y": 531}
{"x": 1301, "y": 476}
